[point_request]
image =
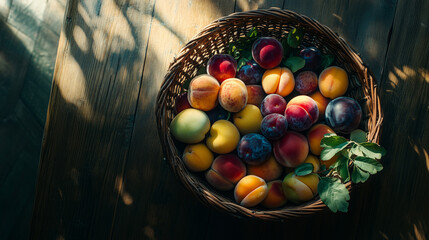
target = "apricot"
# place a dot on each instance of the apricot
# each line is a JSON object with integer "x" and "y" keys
{"x": 203, "y": 92}
{"x": 222, "y": 67}
{"x": 306, "y": 82}
{"x": 275, "y": 197}
{"x": 267, "y": 52}
{"x": 233, "y": 95}
{"x": 248, "y": 120}
{"x": 223, "y": 137}
{"x": 291, "y": 150}
{"x": 321, "y": 102}
{"x": 333, "y": 82}
{"x": 190, "y": 126}
{"x": 315, "y": 135}
{"x": 301, "y": 112}
{"x": 300, "y": 189}
{"x": 268, "y": 170}
{"x": 255, "y": 94}
{"x": 250, "y": 191}
{"x": 225, "y": 172}
{"x": 278, "y": 80}
{"x": 314, "y": 161}
{"x": 197, "y": 157}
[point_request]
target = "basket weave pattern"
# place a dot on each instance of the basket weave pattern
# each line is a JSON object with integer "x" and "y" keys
{"x": 214, "y": 39}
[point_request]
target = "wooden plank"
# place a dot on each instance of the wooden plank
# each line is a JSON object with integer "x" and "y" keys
{"x": 402, "y": 189}
{"x": 365, "y": 26}
{"x": 4, "y": 9}
{"x": 91, "y": 113}
{"x": 153, "y": 204}
{"x": 27, "y": 15}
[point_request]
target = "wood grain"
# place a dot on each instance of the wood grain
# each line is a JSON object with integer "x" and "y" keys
{"x": 91, "y": 113}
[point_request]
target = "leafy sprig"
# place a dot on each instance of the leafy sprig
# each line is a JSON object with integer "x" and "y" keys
{"x": 241, "y": 50}
{"x": 357, "y": 160}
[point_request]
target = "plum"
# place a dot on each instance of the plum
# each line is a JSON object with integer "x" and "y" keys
{"x": 253, "y": 148}
{"x": 273, "y": 103}
{"x": 312, "y": 57}
{"x": 274, "y": 126}
{"x": 251, "y": 73}
{"x": 343, "y": 114}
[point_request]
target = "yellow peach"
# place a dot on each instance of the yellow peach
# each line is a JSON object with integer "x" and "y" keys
{"x": 197, "y": 157}
{"x": 248, "y": 120}
{"x": 223, "y": 138}
{"x": 333, "y": 82}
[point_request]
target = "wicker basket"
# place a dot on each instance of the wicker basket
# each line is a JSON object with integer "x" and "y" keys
{"x": 214, "y": 39}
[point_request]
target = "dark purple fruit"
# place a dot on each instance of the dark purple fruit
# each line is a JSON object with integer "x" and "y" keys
{"x": 251, "y": 73}
{"x": 312, "y": 57}
{"x": 343, "y": 114}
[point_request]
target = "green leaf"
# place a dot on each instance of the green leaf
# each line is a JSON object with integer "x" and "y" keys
{"x": 241, "y": 63}
{"x": 304, "y": 169}
{"x": 295, "y": 63}
{"x": 368, "y": 165}
{"x": 355, "y": 150}
{"x": 246, "y": 54}
{"x": 294, "y": 37}
{"x": 334, "y": 194}
{"x": 327, "y": 60}
{"x": 252, "y": 33}
{"x": 372, "y": 150}
{"x": 359, "y": 175}
{"x": 329, "y": 152}
{"x": 286, "y": 49}
{"x": 343, "y": 168}
{"x": 358, "y": 136}
{"x": 331, "y": 140}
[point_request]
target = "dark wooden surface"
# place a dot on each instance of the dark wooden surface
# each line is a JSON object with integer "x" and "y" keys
{"x": 102, "y": 173}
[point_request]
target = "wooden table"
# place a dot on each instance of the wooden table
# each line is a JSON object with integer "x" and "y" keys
{"x": 102, "y": 173}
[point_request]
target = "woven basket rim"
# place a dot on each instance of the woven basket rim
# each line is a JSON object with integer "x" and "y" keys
{"x": 207, "y": 195}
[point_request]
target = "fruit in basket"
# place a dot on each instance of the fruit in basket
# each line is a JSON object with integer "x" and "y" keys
{"x": 278, "y": 80}
{"x": 300, "y": 189}
{"x": 226, "y": 171}
{"x": 315, "y": 135}
{"x": 222, "y": 67}
{"x": 343, "y": 114}
{"x": 273, "y": 103}
{"x": 275, "y": 197}
{"x": 312, "y": 57}
{"x": 267, "y": 52}
{"x": 268, "y": 170}
{"x": 203, "y": 92}
{"x": 253, "y": 149}
{"x": 223, "y": 137}
{"x": 331, "y": 161}
{"x": 301, "y": 112}
{"x": 333, "y": 82}
{"x": 255, "y": 94}
{"x": 251, "y": 73}
{"x": 321, "y": 102}
{"x": 306, "y": 82}
{"x": 248, "y": 120}
{"x": 291, "y": 150}
{"x": 181, "y": 102}
{"x": 197, "y": 157}
{"x": 314, "y": 161}
{"x": 190, "y": 126}
{"x": 218, "y": 113}
{"x": 233, "y": 95}
{"x": 250, "y": 191}
{"x": 274, "y": 126}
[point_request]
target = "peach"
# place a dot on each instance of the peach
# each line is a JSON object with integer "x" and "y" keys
{"x": 268, "y": 170}
{"x": 275, "y": 197}
{"x": 223, "y": 137}
{"x": 314, "y": 161}
{"x": 233, "y": 95}
{"x": 222, "y": 66}
{"x": 190, "y": 126}
{"x": 315, "y": 135}
{"x": 255, "y": 94}
{"x": 301, "y": 112}
{"x": 291, "y": 150}
{"x": 300, "y": 189}
{"x": 248, "y": 120}
{"x": 333, "y": 82}
{"x": 306, "y": 82}
{"x": 278, "y": 80}
{"x": 203, "y": 92}
{"x": 267, "y": 52}
{"x": 321, "y": 102}
{"x": 250, "y": 191}
{"x": 225, "y": 172}
{"x": 197, "y": 157}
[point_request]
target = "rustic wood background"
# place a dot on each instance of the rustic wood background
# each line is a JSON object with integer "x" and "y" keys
{"x": 102, "y": 174}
